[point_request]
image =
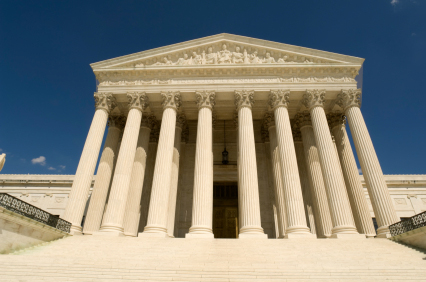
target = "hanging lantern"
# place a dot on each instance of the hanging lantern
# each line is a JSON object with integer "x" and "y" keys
{"x": 224, "y": 153}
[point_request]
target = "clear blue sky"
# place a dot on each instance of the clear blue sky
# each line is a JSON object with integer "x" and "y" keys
{"x": 47, "y": 85}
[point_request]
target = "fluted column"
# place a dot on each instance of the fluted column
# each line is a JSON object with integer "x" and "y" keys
{"x": 248, "y": 189}
{"x": 340, "y": 210}
{"x": 304, "y": 180}
{"x": 104, "y": 103}
{"x": 357, "y": 198}
{"x": 202, "y": 207}
{"x": 160, "y": 193}
{"x": 180, "y": 124}
{"x": 132, "y": 211}
{"x": 313, "y": 167}
{"x": 381, "y": 201}
{"x": 103, "y": 177}
{"x": 296, "y": 219}
{"x": 269, "y": 124}
{"x": 114, "y": 216}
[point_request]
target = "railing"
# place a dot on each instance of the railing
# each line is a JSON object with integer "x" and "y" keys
{"x": 14, "y": 204}
{"x": 414, "y": 222}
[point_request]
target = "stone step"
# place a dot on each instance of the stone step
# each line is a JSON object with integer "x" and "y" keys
{"x": 93, "y": 258}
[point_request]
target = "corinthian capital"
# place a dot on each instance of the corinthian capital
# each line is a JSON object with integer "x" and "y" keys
{"x": 117, "y": 121}
{"x": 313, "y": 98}
{"x": 105, "y": 101}
{"x": 335, "y": 119}
{"x": 268, "y": 120}
{"x": 171, "y": 99}
{"x": 137, "y": 100}
{"x": 205, "y": 99}
{"x": 302, "y": 119}
{"x": 244, "y": 98}
{"x": 279, "y": 98}
{"x": 181, "y": 120}
{"x": 148, "y": 120}
{"x": 349, "y": 98}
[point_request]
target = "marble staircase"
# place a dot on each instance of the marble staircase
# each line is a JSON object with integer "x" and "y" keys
{"x": 95, "y": 258}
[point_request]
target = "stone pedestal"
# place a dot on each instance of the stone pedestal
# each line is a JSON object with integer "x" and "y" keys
{"x": 340, "y": 210}
{"x": 103, "y": 178}
{"x": 74, "y": 211}
{"x": 383, "y": 208}
{"x": 114, "y": 216}
{"x": 160, "y": 193}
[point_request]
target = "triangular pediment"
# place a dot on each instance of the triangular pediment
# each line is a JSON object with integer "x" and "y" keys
{"x": 224, "y": 50}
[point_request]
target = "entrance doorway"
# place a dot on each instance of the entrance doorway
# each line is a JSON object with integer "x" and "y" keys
{"x": 225, "y": 210}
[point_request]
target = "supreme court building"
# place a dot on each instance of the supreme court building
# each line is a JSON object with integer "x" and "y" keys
{"x": 229, "y": 137}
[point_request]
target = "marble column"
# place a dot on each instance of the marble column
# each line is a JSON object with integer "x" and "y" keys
{"x": 313, "y": 167}
{"x": 202, "y": 207}
{"x": 269, "y": 124}
{"x": 340, "y": 209}
{"x": 180, "y": 124}
{"x": 103, "y": 177}
{"x": 383, "y": 208}
{"x": 248, "y": 189}
{"x": 104, "y": 103}
{"x": 132, "y": 212}
{"x": 296, "y": 219}
{"x": 357, "y": 198}
{"x": 112, "y": 223}
{"x": 160, "y": 192}
{"x": 304, "y": 180}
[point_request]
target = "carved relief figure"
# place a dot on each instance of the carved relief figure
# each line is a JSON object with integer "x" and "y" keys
{"x": 254, "y": 59}
{"x": 211, "y": 58}
{"x": 237, "y": 56}
{"x": 224, "y": 56}
{"x": 269, "y": 59}
{"x": 282, "y": 60}
{"x": 246, "y": 59}
{"x": 183, "y": 61}
{"x": 195, "y": 59}
{"x": 166, "y": 62}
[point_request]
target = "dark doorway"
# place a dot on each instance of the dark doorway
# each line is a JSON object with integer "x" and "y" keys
{"x": 225, "y": 210}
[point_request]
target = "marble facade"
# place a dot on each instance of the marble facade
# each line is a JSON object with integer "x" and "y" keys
{"x": 284, "y": 111}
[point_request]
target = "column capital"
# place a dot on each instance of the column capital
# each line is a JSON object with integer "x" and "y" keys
{"x": 335, "y": 119}
{"x": 349, "y": 98}
{"x": 137, "y": 100}
{"x": 297, "y": 135}
{"x": 148, "y": 120}
{"x": 205, "y": 99}
{"x": 117, "y": 121}
{"x": 105, "y": 101}
{"x": 171, "y": 99}
{"x": 268, "y": 120}
{"x": 185, "y": 134}
{"x": 180, "y": 120}
{"x": 279, "y": 98}
{"x": 265, "y": 133}
{"x": 314, "y": 98}
{"x": 244, "y": 98}
{"x": 302, "y": 119}
{"x": 155, "y": 132}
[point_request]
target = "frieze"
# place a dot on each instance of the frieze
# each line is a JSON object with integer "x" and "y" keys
{"x": 227, "y": 81}
{"x": 226, "y": 53}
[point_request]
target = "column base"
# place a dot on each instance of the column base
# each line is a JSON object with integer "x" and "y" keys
{"x": 348, "y": 236}
{"x": 252, "y": 236}
{"x": 300, "y": 236}
{"x": 76, "y": 230}
{"x": 109, "y": 233}
{"x": 130, "y": 234}
{"x": 153, "y": 235}
{"x": 383, "y": 232}
{"x": 199, "y": 235}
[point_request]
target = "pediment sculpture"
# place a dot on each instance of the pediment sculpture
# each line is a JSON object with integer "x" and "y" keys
{"x": 225, "y": 56}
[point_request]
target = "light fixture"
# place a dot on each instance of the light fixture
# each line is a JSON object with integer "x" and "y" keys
{"x": 224, "y": 153}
